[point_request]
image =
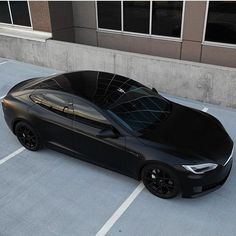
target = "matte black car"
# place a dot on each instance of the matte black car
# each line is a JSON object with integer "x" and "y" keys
{"x": 120, "y": 124}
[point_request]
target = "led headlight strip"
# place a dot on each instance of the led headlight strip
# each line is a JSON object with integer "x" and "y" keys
{"x": 201, "y": 168}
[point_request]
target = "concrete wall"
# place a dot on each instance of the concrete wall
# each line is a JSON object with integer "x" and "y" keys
{"x": 197, "y": 81}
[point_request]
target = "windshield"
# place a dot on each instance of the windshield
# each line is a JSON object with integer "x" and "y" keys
{"x": 140, "y": 109}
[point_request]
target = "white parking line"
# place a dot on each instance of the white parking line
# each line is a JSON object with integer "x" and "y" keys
{"x": 18, "y": 151}
{"x": 4, "y": 62}
{"x": 205, "y": 109}
{"x": 118, "y": 213}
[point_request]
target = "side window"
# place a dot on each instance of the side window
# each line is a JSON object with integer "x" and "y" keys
{"x": 56, "y": 103}
{"x": 83, "y": 112}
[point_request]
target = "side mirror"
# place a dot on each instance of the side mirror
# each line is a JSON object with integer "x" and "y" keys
{"x": 107, "y": 133}
{"x": 154, "y": 90}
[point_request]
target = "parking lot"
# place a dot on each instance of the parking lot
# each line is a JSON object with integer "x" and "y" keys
{"x": 48, "y": 193}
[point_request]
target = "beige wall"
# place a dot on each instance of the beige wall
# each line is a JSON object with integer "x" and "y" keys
{"x": 62, "y": 20}
{"x": 40, "y": 16}
{"x": 76, "y": 22}
{"x": 84, "y": 17}
{"x": 156, "y": 47}
{"x": 193, "y": 30}
{"x": 219, "y": 56}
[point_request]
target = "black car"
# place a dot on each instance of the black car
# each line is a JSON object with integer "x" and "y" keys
{"x": 120, "y": 124}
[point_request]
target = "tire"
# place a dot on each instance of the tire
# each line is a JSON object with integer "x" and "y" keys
{"x": 27, "y": 136}
{"x": 160, "y": 181}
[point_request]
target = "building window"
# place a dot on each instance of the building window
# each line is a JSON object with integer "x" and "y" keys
{"x": 15, "y": 13}
{"x": 158, "y": 18}
{"x": 166, "y": 18}
{"x": 221, "y": 22}
{"x": 4, "y": 12}
{"x": 136, "y": 16}
{"x": 109, "y": 15}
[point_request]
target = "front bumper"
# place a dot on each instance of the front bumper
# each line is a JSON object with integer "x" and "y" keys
{"x": 194, "y": 185}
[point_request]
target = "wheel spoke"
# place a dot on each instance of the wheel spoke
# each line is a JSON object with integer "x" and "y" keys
{"x": 27, "y": 137}
{"x": 160, "y": 182}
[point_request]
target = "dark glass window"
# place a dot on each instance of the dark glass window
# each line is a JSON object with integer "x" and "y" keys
{"x": 56, "y": 103}
{"x": 20, "y": 13}
{"x": 4, "y": 12}
{"x": 167, "y": 18}
{"x": 140, "y": 109}
{"x": 109, "y": 14}
{"x": 83, "y": 112}
{"x": 136, "y": 16}
{"x": 221, "y": 22}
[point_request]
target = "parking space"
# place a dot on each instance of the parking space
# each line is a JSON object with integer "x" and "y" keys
{"x": 48, "y": 193}
{"x": 52, "y": 194}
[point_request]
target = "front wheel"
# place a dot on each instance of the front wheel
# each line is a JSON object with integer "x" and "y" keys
{"x": 160, "y": 181}
{"x": 27, "y": 136}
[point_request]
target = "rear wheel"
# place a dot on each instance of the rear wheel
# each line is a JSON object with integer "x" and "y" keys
{"x": 27, "y": 136}
{"x": 160, "y": 181}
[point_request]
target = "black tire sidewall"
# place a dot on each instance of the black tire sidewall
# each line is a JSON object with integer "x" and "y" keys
{"x": 38, "y": 139}
{"x": 169, "y": 171}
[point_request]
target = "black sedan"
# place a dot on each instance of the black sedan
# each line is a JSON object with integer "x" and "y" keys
{"x": 120, "y": 124}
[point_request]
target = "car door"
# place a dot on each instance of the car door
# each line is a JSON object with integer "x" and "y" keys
{"x": 53, "y": 117}
{"x": 107, "y": 152}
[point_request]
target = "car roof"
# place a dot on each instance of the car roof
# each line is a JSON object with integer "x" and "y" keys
{"x": 101, "y": 88}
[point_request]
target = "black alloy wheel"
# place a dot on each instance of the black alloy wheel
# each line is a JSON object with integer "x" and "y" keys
{"x": 27, "y": 136}
{"x": 160, "y": 181}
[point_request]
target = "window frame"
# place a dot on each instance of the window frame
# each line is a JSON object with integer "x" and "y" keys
{"x": 212, "y": 43}
{"x": 89, "y": 121}
{"x": 11, "y": 18}
{"x": 45, "y": 92}
{"x": 149, "y": 35}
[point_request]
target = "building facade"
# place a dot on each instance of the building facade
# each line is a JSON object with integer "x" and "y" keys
{"x": 199, "y": 31}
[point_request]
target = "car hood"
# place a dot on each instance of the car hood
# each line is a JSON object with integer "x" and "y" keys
{"x": 191, "y": 133}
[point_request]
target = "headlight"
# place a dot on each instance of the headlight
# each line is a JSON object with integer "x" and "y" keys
{"x": 201, "y": 168}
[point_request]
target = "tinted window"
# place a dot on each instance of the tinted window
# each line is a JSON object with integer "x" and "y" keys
{"x": 167, "y": 18}
{"x": 101, "y": 88}
{"x": 221, "y": 22}
{"x": 136, "y": 16}
{"x": 20, "y": 13}
{"x": 54, "y": 102}
{"x": 85, "y": 112}
{"x": 80, "y": 83}
{"x": 140, "y": 109}
{"x": 4, "y": 12}
{"x": 109, "y": 14}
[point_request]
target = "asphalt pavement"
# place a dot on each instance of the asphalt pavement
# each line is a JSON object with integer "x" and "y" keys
{"x": 48, "y": 193}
